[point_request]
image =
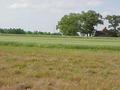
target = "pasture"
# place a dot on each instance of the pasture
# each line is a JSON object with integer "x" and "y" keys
{"x": 59, "y": 63}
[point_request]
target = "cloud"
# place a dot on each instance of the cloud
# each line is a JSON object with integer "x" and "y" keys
{"x": 93, "y": 2}
{"x": 19, "y": 5}
{"x": 57, "y": 4}
{"x": 111, "y": 12}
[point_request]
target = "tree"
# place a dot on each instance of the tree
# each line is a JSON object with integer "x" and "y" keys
{"x": 84, "y": 23}
{"x": 69, "y": 24}
{"x": 12, "y": 31}
{"x": 114, "y": 22}
{"x": 90, "y": 19}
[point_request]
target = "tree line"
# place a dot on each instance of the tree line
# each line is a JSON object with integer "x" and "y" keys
{"x": 12, "y": 31}
{"x": 85, "y": 22}
{"x": 22, "y": 31}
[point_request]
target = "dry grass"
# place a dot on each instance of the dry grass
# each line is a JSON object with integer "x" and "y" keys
{"x": 34, "y": 68}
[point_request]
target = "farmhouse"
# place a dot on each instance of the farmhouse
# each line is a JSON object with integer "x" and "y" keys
{"x": 97, "y": 33}
{"x": 103, "y": 33}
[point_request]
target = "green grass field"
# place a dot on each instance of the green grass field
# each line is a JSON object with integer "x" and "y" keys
{"x": 59, "y": 63}
{"x": 61, "y": 42}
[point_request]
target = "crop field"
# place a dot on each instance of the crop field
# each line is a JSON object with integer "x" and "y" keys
{"x": 59, "y": 63}
{"x": 61, "y": 42}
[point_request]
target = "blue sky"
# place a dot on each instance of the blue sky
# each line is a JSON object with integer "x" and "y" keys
{"x": 43, "y": 14}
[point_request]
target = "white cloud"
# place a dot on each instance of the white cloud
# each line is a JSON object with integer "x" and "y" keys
{"x": 93, "y": 2}
{"x": 19, "y": 5}
{"x": 57, "y": 4}
{"x": 111, "y": 12}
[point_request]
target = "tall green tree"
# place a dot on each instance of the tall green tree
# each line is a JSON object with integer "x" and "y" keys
{"x": 114, "y": 22}
{"x": 90, "y": 19}
{"x": 84, "y": 23}
{"x": 69, "y": 24}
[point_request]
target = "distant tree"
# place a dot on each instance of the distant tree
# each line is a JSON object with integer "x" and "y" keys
{"x": 12, "y": 31}
{"x": 114, "y": 22}
{"x": 36, "y": 32}
{"x": 19, "y": 31}
{"x": 90, "y": 19}
{"x": 29, "y": 32}
{"x": 69, "y": 24}
{"x": 2, "y": 31}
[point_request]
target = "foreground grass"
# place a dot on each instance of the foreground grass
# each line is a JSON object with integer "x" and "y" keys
{"x": 36, "y": 68}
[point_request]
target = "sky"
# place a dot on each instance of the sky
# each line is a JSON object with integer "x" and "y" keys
{"x": 43, "y": 15}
